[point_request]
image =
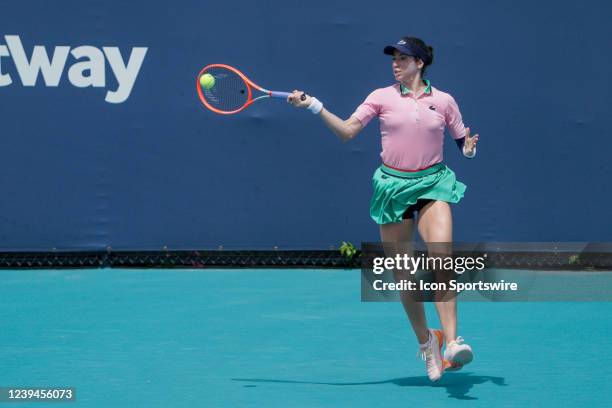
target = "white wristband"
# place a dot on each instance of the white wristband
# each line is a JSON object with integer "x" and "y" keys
{"x": 315, "y": 105}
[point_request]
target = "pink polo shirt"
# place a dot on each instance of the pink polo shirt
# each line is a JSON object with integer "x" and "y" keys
{"x": 412, "y": 129}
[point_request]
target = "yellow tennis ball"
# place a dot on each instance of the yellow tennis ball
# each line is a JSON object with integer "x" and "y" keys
{"x": 207, "y": 81}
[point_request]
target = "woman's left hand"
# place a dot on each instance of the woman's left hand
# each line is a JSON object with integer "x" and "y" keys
{"x": 470, "y": 143}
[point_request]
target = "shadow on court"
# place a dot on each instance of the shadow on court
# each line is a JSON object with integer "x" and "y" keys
{"x": 457, "y": 385}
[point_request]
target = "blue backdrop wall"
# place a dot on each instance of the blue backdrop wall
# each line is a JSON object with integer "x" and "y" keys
{"x": 111, "y": 153}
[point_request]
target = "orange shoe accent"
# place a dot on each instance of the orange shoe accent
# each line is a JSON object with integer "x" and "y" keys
{"x": 450, "y": 366}
{"x": 440, "y": 337}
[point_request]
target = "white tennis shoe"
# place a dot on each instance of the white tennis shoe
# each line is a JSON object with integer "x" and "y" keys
{"x": 457, "y": 354}
{"x": 430, "y": 352}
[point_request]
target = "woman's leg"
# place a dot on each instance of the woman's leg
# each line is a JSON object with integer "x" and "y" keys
{"x": 402, "y": 234}
{"x": 435, "y": 225}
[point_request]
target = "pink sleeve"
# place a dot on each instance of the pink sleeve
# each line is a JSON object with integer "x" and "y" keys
{"x": 367, "y": 110}
{"x": 454, "y": 122}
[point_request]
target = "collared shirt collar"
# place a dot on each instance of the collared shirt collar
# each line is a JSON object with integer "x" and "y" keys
{"x": 405, "y": 90}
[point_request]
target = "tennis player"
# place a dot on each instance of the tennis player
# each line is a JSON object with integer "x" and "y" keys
{"x": 412, "y": 179}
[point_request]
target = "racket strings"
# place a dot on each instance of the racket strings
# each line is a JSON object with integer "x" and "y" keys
{"x": 229, "y": 92}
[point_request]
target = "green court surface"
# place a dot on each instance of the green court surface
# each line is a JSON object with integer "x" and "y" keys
{"x": 281, "y": 338}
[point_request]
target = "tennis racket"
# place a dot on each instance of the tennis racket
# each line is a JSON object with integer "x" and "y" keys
{"x": 231, "y": 91}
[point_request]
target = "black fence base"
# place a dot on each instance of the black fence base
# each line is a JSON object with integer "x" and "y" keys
{"x": 542, "y": 260}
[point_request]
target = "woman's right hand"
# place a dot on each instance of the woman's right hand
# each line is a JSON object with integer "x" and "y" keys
{"x": 344, "y": 129}
{"x": 296, "y": 99}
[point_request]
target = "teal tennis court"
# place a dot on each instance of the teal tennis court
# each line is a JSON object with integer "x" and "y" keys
{"x": 280, "y": 338}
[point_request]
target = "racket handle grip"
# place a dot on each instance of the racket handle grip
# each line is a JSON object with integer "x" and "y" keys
{"x": 282, "y": 95}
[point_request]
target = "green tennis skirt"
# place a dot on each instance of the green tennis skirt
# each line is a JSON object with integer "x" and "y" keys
{"x": 396, "y": 190}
